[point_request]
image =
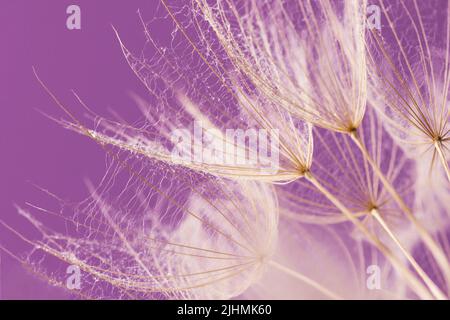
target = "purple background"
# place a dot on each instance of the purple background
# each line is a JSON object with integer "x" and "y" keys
{"x": 32, "y": 147}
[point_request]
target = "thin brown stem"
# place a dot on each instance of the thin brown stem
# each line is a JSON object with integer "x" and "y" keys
{"x": 429, "y": 283}
{"x": 431, "y": 244}
{"x": 444, "y": 162}
{"x": 413, "y": 282}
{"x": 306, "y": 280}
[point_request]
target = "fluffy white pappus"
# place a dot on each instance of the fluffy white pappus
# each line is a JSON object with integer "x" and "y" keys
{"x": 421, "y": 132}
{"x": 208, "y": 239}
{"x": 410, "y": 76}
{"x": 432, "y": 191}
{"x": 308, "y": 57}
{"x": 239, "y": 234}
{"x": 332, "y": 258}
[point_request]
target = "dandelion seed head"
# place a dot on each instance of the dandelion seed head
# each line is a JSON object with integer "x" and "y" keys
{"x": 197, "y": 237}
{"x": 308, "y": 58}
{"x": 408, "y": 63}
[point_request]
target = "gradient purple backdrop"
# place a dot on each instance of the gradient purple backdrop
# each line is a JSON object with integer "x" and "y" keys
{"x": 35, "y": 149}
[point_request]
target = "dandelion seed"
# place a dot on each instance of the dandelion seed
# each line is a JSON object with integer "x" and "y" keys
{"x": 336, "y": 83}
{"x": 179, "y": 230}
{"x": 411, "y": 78}
{"x": 199, "y": 237}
